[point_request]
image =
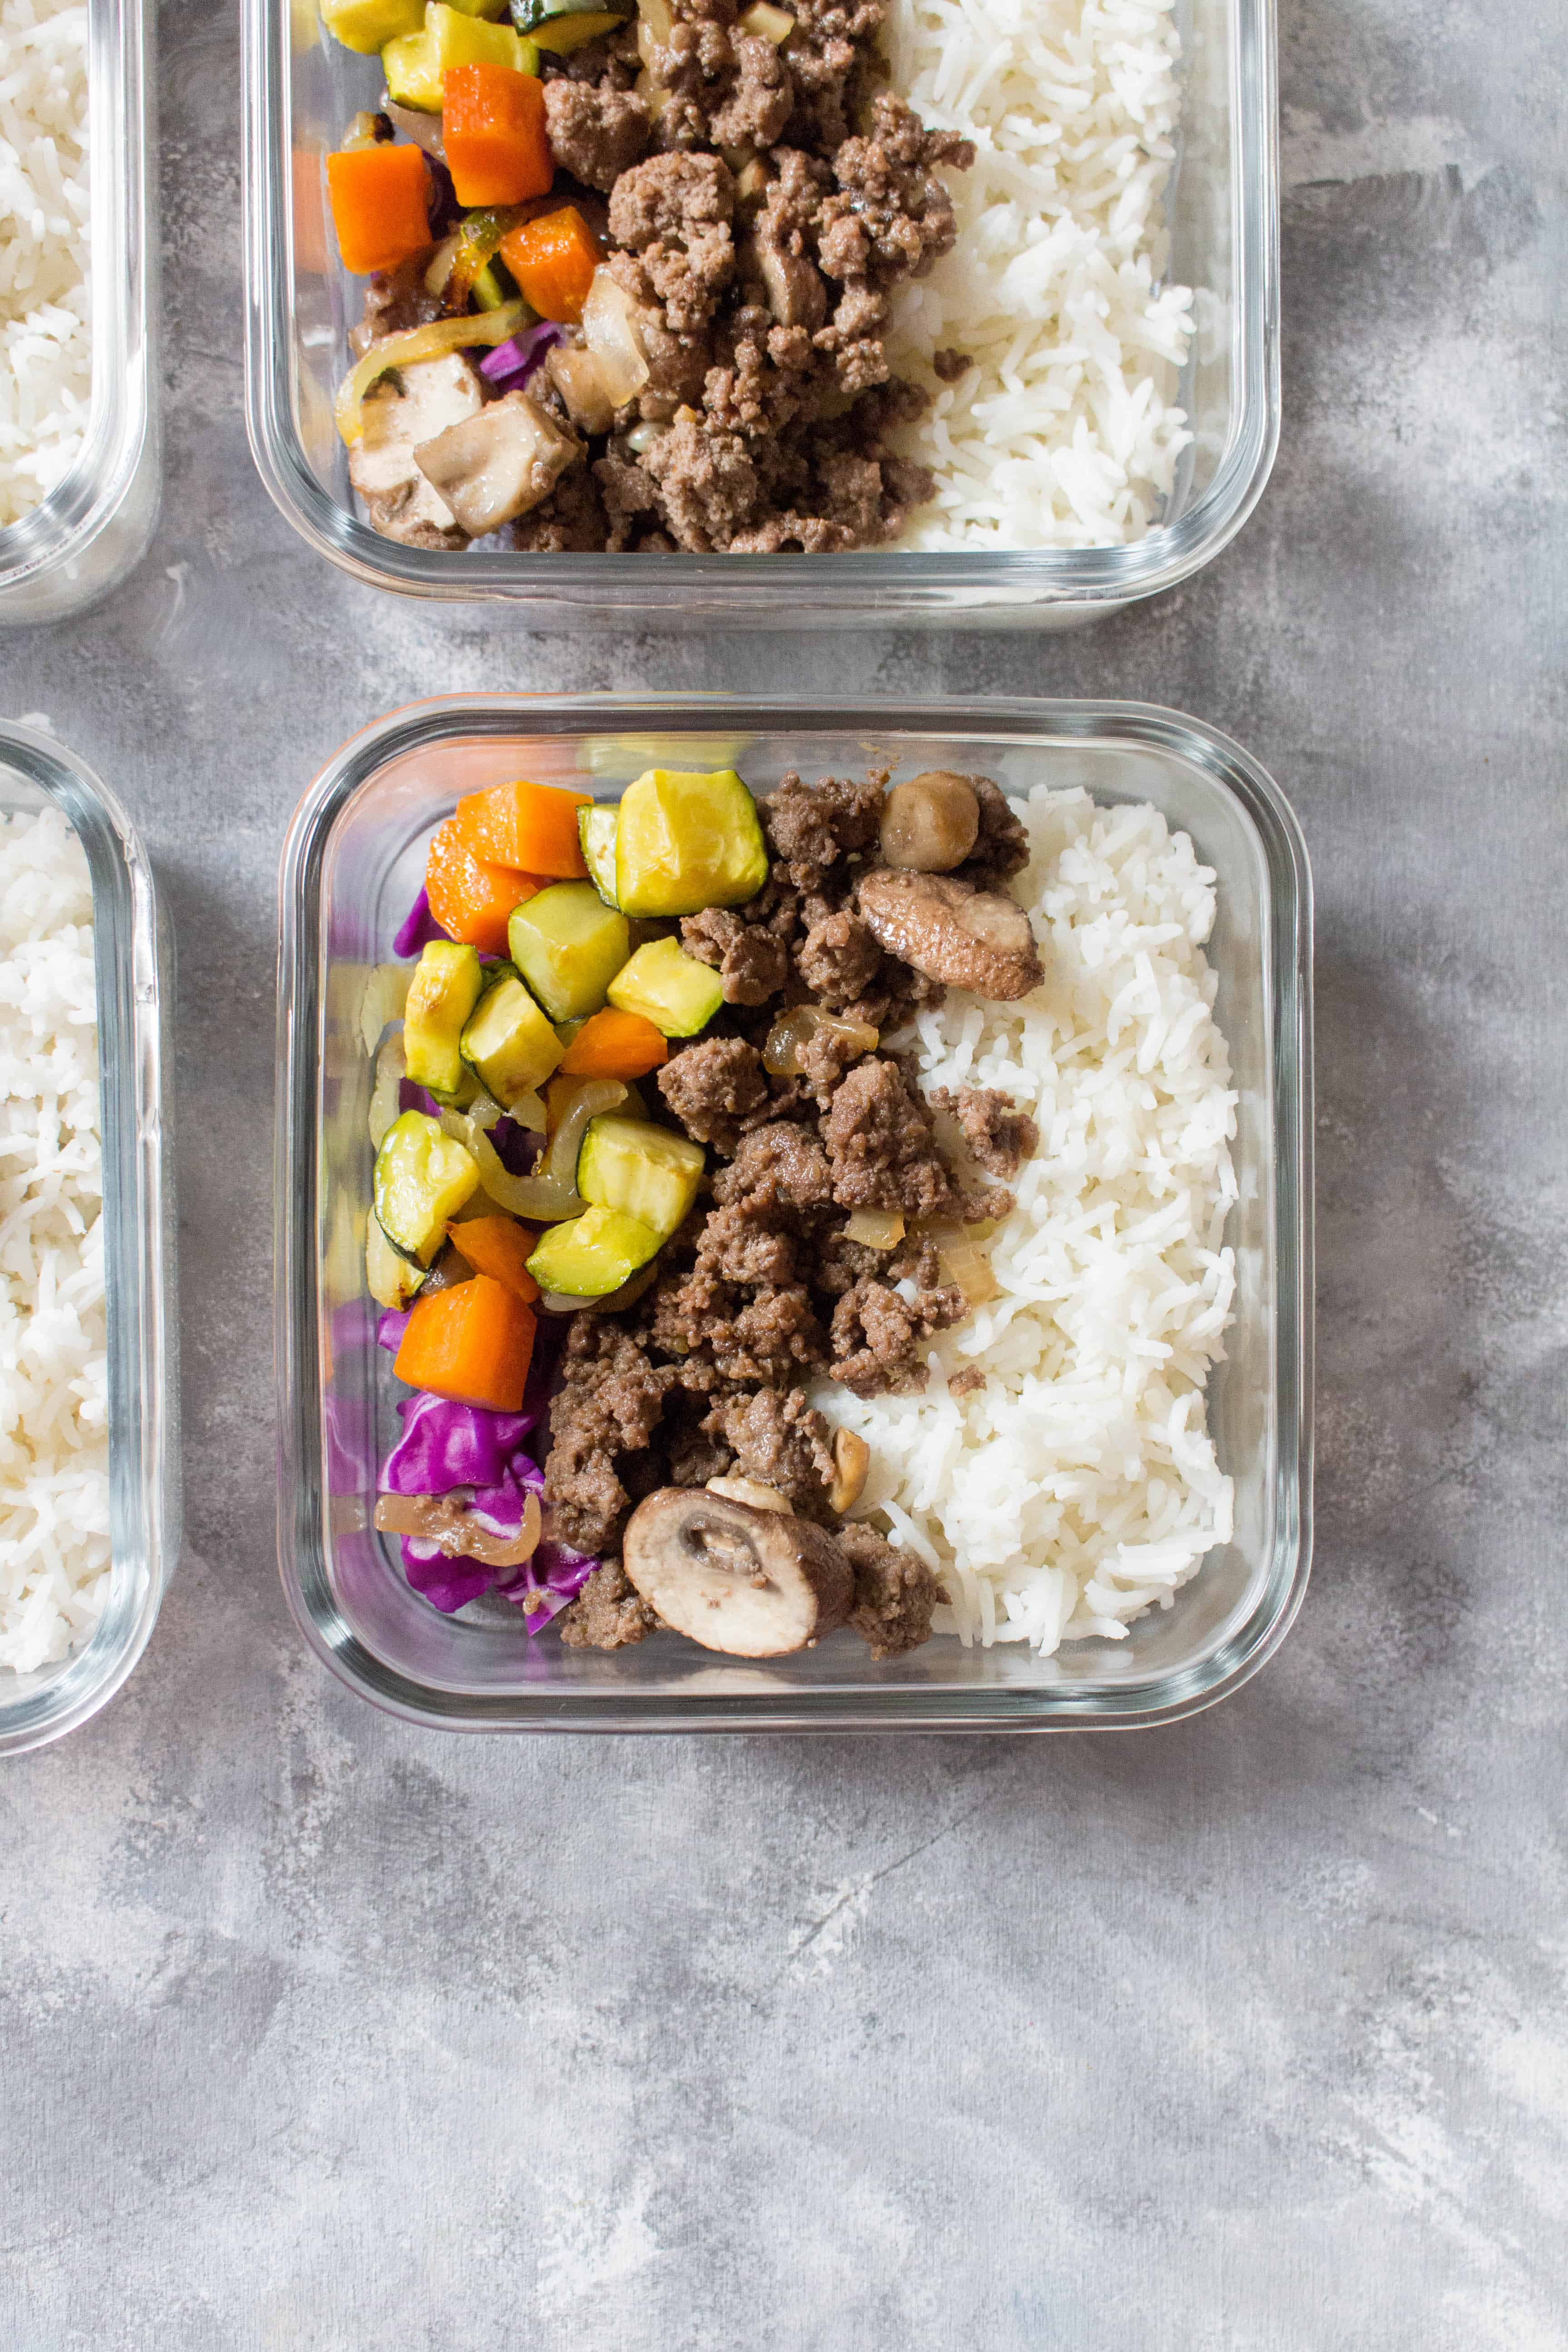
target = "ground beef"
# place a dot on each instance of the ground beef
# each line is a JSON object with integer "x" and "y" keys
{"x": 880, "y": 1336}
{"x": 779, "y": 1168}
{"x": 776, "y": 1437}
{"x": 895, "y": 1593}
{"x": 810, "y": 827}
{"x": 609, "y": 1614}
{"x": 608, "y": 1406}
{"x": 950, "y": 365}
{"x": 569, "y": 521}
{"x": 674, "y": 213}
{"x": 879, "y": 1141}
{"x": 394, "y": 301}
{"x": 711, "y": 1087}
{"x": 753, "y": 963}
{"x": 838, "y": 961}
{"x": 998, "y": 1133}
{"x": 1002, "y": 846}
{"x": 596, "y": 131}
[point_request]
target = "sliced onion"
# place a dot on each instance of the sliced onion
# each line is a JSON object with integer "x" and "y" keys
{"x": 528, "y": 1111}
{"x": 774, "y": 25}
{"x": 962, "y": 1261}
{"x": 428, "y": 343}
{"x": 794, "y": 1031}
{"x": 657, "y": 17}
{"x": 389, "y": 1074}
{"x": 880, "y": 1229}
{"x": 611, "y": 333}
{"x": 587, "y": 1100}
{"x": 653, "y": 94}
{"x": 459, "y": 1533}
{"x": 536, "y": 1197}
{"x": 425, "y": 130}
{"x": 386, "y": 995}
{"x": 440, "y": 267}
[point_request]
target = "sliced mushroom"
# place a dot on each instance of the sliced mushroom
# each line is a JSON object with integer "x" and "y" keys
{"x": 498, "y": 464}
{"x": 972, "y": 939}
{"x": 410, "y": 407}
{"x": 749, "y": 1490}
{"x": 797, "y": 296}
{"x": 443, "y": 1520}
{"x": 576, "y": 377}
{"x": 754, "y": 1583}
{"x": 931, "y": 821}
{"x": 851, "y": 1461}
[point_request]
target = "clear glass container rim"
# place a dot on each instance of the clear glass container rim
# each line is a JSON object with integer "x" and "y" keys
{"x": 301, "y": 1562}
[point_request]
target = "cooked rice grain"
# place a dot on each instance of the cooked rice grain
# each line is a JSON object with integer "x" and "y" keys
{"x": 54, "y": 1415}
{"x": 1079, "y": 1487}
{"x": 45, "y": 337}
{"x": 1064, "y": 432}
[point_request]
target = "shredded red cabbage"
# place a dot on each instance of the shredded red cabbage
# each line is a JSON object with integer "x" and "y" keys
{"x": 444, "y": 1445}
{"x": 419, "y": 927}
{"x": 511, "y": 363}
{"x": 411, "y": 1096}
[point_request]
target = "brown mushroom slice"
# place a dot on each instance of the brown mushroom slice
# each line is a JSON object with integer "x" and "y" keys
{"x": 931, "y": 821}
{"x": 761, "y": 1496}
{"x": 420, "y": 403}
{"x": 971, "y": 939}
{"x": 756, "y": 1585}
{"x": 499, "y": 464}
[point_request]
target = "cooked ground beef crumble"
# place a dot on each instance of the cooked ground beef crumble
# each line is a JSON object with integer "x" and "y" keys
{"x": 762, "y": 204}
{"x": 763, "y": 1290}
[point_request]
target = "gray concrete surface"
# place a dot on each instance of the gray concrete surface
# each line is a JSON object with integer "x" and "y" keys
{"x": 323, "y": 2032}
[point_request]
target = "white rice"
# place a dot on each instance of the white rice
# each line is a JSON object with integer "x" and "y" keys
{"x": 46, "y": 339}
{"x": 1063, "y": 432}
{"x": 1078, "y": 1485}
{"x": 54, "y": 1410}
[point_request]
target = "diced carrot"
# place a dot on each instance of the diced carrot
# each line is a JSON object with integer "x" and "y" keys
{"x": 533, "y": 827}
{"x": 612, "y": 1044}
{"x": 469, "y": 898}
{"x": 554, "y": 259}
{"x": 472, "y": 1343}
{"x": 492, "y": 128}
{"x": 381, "y": 205}
{"x": 502, "y": 1248}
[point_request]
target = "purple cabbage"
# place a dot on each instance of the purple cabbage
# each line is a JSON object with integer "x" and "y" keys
{"x": 510, "y": 366}
{"x": 390, "y": 1328}
{"x": 517, "y": 1147}
{"x": 444, "y": 1445}
{"x": 419, "y": 927}
{"x": 411, "y": 1096}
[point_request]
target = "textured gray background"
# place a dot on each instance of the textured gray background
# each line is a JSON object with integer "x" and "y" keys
{"x": 319, "y": 2031}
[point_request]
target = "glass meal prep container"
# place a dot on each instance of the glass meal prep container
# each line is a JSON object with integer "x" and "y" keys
{"x": 95, "y": 523}
{"x": 353, "y": 864}
{"x": 133, "y": 961}
{"x": 302, "y": 88}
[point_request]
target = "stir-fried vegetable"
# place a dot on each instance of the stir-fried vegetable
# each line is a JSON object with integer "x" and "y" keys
{"x": 614, "y": 1045}
{"x": 381, "y": 205}
{"x": 669, "y": 987}
{"x": 414, "y": 343}
{"x": 554, "y": 259}
{"x": 417, "y": 65}
{"x": 568, "y": 946}
{"x": 509, "y": 1041}
{"x": 594, "y": 1254}
{"x": 611, "y": 330}
{"x": 475, "y": 243}
{"x": 649, "y": 1171}
{"x": 471, "y": 899}
{"x": 531, "y": 826}
{"x": 684, "y": 841}
{"x": 444, "y": 990}
{"x": 423, "y": 1177}
{"x": 368, "y": 24}
{"x": 492, "y": 124}
{"x": 500, "y": 1247}
{"x": 472, "y": 1343}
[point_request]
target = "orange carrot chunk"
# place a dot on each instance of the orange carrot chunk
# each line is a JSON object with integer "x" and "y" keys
{"x": 472, "y": 1343}
{"x": 554, "y": 259}
{"x": 471, "y": 897}
{"x": 502, "y": 1248}
{"x": 492, "y": 127}
{"x": 612, "y": 1044}
{"x": 381, "y": 206}
{"x": 533, "y": 827}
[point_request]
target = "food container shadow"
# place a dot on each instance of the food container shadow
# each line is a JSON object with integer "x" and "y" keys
{"x": 133, "y": 955}
{"x": 352, "y": 867}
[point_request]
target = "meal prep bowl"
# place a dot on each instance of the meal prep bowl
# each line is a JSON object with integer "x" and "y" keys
{"x": 353, "y": 862}
{"x": 138, "y": 1261}
{"x": 95, "y": 523}
{"x": 301, "y": 90}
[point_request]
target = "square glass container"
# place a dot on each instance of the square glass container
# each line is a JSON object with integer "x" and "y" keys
{"x": 351, "y": 868}
{"x": 96, "y": 522}
{"x": 133, "y": 960}
{"x": 302, "y": 88}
